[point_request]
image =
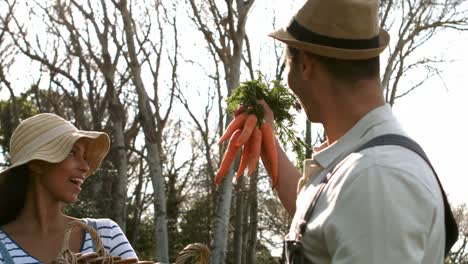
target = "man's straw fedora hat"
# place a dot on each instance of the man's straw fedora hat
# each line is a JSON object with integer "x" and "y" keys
{"x": 341, "y": 29}
{"x": 50, "y": 138}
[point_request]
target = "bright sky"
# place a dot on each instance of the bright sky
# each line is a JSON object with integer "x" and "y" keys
{"x": 436, "y": 116}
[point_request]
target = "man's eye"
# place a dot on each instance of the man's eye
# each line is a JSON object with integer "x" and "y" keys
{"x": 72, "y": 153}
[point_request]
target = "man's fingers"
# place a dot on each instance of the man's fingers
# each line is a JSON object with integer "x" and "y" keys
{"x": 239, "y": 110}
{"x": 269, "y": 117}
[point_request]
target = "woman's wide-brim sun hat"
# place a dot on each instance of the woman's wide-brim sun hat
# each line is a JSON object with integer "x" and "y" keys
{"x": 50, "y": 138}
{"x": 341, "y": 29}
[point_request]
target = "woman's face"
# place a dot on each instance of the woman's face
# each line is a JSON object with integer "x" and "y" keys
{"x": 63, "y": 180}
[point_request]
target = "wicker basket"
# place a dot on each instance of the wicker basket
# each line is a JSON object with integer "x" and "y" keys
{"x": 190, "y": 252}
{"x": 99, "y": 257}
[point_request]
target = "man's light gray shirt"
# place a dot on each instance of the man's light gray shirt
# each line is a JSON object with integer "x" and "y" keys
{"x": 382, "y": 205}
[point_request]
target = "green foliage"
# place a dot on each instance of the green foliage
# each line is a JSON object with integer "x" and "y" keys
{"x": 8, "y": 122}
{"x": 195, "y": 224}
{"x": 144, "y": 244}
{"x": 281, "y": 102}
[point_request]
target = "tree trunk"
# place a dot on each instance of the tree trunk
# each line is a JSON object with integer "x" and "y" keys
{"x": 238, "y": 224}
{"x": 221, "y": 223}
{"x": 149, "y": 129}
{"x": 161, "y": 236}
{"x": 172, "y": 211}
{"x": 229, "y": 52}
{"x": 117, "y": 115}
{"x": 253, "y": 223}
{"x": 119, "y": 188}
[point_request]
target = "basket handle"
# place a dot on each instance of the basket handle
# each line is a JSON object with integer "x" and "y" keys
{"x": 94, "y": 236}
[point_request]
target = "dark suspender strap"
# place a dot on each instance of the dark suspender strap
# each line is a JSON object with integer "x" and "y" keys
{"x": 451, "y": 228}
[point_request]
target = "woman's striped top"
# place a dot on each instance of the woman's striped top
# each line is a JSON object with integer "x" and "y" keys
{"x": 114, "y": 240}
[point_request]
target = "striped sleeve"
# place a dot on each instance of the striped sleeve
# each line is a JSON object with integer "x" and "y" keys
{"x": 114, "y": 240}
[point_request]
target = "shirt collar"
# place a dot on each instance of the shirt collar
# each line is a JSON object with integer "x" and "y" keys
{"x": 327, "y": 154}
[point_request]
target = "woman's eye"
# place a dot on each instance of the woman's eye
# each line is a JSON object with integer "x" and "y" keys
{"x": 72, "y": 153}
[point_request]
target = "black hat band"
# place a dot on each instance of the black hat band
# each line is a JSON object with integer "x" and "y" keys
{"x": 303, "y": 34}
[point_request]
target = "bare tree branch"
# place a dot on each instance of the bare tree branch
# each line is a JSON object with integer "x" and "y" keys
{"x": 420, "y": 21}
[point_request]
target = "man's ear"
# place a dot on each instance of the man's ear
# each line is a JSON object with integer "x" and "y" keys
{"x": 308, "y": 66}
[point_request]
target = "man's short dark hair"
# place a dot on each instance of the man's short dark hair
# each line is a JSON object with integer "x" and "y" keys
{"x": 349, "y": 71}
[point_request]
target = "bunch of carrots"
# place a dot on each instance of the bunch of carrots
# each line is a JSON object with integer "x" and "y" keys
{"x": 249, "y": 132}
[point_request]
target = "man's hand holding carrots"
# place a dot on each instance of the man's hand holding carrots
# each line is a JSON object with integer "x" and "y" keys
{"x": 257, "y": 109}
{"x": 257, "y": 139}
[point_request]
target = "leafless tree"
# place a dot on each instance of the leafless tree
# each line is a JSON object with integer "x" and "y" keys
{"x": 223, "y": 27}
{"x": 152, "y": 122}
{"x": 415, "y": 23}
{"x": 7, "y": 53}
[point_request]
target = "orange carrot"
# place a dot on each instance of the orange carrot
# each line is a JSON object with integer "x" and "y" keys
{"x": 255, "y": 148}
{"x": 249, "y": 126}
{"x": 269, "y": 146}
{"x": 244, "y": 160}
{"x": 235, "y": 124}
{"x": 228, "y": 158}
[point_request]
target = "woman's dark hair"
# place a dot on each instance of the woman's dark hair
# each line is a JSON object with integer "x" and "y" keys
{"x": 13, "y": 189}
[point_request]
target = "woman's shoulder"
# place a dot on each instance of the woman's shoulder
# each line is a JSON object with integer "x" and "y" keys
{"x": 112, "y": 236}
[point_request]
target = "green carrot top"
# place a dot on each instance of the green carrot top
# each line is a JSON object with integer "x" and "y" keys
{"x": 278, "y": 98}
